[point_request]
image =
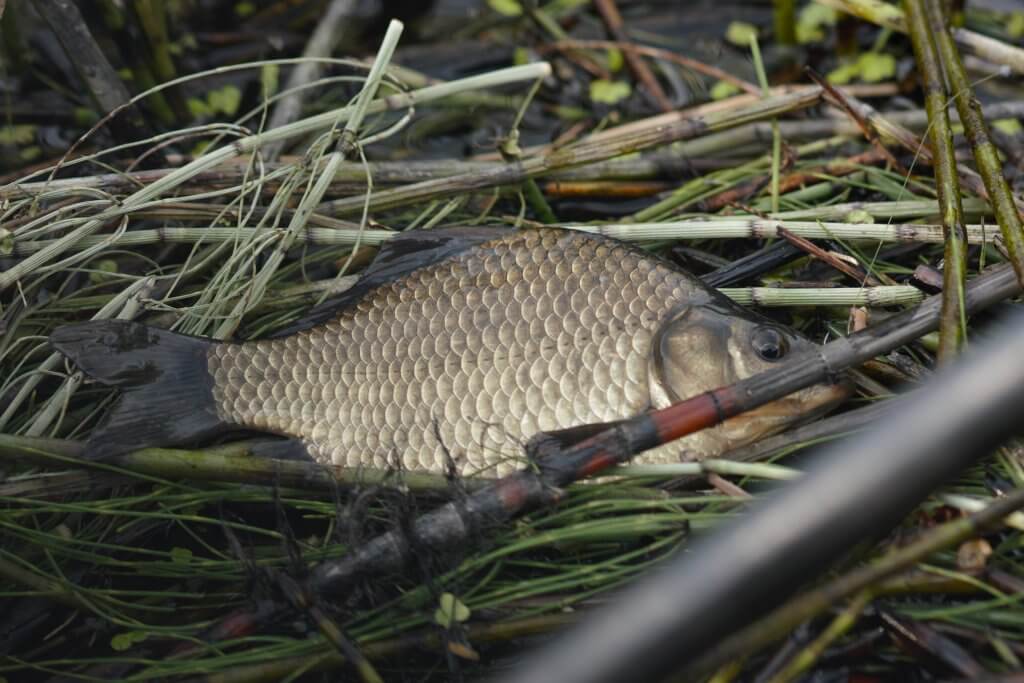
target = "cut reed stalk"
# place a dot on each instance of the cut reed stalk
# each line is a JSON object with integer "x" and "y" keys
{"x": 637, "y": 138}
{"x": 953, "y": 325}
{"x": 985, "y": 154}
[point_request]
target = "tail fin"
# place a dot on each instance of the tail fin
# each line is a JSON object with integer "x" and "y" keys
{"x": 167, "y": 394}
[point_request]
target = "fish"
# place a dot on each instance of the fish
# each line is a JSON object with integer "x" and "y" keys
{"x": 453, "y": 350}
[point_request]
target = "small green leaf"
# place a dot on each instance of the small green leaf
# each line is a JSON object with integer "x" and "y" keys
{"x": 21, "y": 134}
{"x": 508, "y": 8}
{"x": 723, "y": 89}
{"x": 859, "y": 216}
{"x": 226, "y": 100}
{"x": 1015, "y": 25}
{"x": 844, "y": 74}
{"x": 521, "y": 56}
{"x": 1008, "y": 126}
{"x": 102, "y": 271}
{"x": 197, "y": 108}
{"x": 6, "y": 242}
{"x": 244, "y": 9}
{"x": 123, "y": 641}
{"x": 609, "y": 92}
{"x": 870, "y": 67}
{"x": 615, "y": 59}
{"x": 84, "y": 116}
{"x": 181, "y": 555}
{"x": 810, "y": 25}
{"x": 876, "y": 66}
{"x": 451, "y": 611}
{"x": 740, "y": 33}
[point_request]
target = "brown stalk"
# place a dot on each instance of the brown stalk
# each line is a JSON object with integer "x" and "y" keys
{"x": 633, "y": 138}
{"x": 869, "y": 132}
{"x": 658, "y": 53}
{"x": 860, "y": 277}
{"x": 613, "y": 22}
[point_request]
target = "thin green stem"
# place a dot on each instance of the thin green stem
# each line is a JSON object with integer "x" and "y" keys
{"x": 953, "y": 322}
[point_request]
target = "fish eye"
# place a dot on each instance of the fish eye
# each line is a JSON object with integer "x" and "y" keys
{"x": 769, "y": 344}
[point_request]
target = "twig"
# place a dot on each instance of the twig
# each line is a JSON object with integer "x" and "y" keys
{"x": 613, "y": 21}
{"x": 985, "y": 154}
{"x": 869, "y": 132}
{"x": 633, "y": 138}
{"x": 858, "y": 275}
{"x": 658, "y": 53}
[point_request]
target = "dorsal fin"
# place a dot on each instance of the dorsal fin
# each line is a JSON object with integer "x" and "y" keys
{"x": 398, "y": 257}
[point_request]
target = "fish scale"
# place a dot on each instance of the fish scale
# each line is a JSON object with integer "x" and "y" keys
{"x": 509, "y": 338}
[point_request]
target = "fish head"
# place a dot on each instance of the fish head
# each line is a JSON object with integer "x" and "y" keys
{"x": 703, "y": 347}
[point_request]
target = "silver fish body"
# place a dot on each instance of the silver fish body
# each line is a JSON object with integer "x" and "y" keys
{"x": 461, "y": 359}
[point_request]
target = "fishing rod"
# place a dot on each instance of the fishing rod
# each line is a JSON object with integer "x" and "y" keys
{"x": 671, "y": 619}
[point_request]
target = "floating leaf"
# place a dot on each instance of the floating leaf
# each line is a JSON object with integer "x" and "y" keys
{"x": 869, "y": 67}
{"x": 723, "y": 89}
{"x": 609, "y": 92}
{"x": 124, "y": 641}
{"x": 844, "y": 74}
{"x": 198, "y": 108}
{"x": 508, "y": 8}
{"x": 451, "y": 611}
{"x": 181, "y": 555}
{"x": 225, "y": 100}
{"x": 740, "y": 33}
{"x": 84, "y": 116}
{"x": 21, "y": 134}
{"x": 810, "y": 25}
{"x": 876, "y": 66}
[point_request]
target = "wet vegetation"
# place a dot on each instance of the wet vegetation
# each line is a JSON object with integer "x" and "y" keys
{"x": 219, "y": 168}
